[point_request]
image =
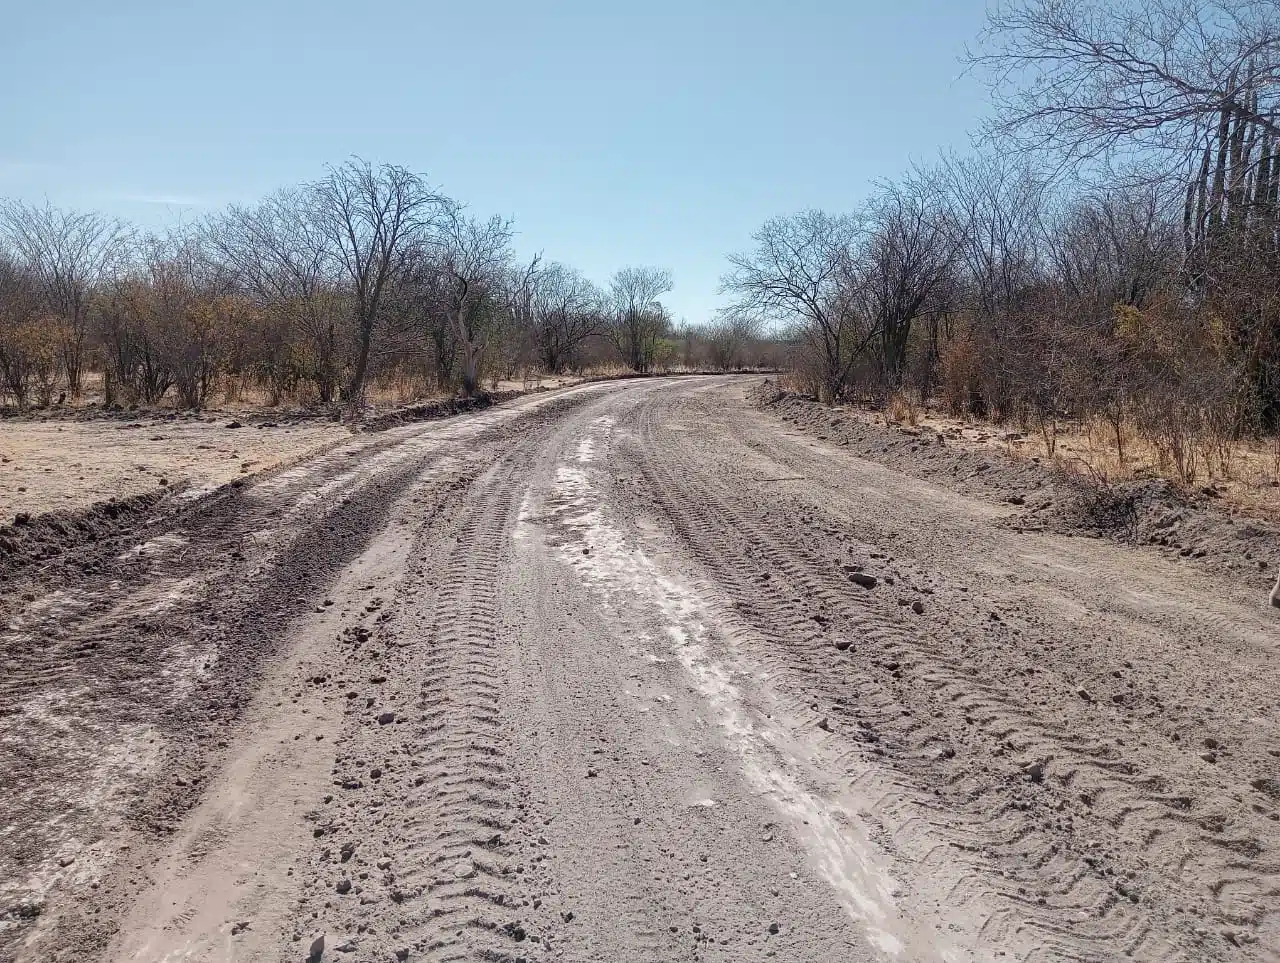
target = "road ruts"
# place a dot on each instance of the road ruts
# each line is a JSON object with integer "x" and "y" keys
{"x": 637, "y": 673}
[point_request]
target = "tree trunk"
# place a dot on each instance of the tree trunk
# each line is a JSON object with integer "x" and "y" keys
{"x": 355, "y": 391}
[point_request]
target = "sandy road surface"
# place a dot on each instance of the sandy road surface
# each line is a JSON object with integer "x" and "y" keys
{"x": 592, "y": 677}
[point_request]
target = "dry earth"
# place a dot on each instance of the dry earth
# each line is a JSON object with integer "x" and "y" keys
{"x": 633, "y": 672}
{"x": 66, "y": 465}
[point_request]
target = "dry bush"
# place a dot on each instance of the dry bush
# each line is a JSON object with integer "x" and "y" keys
{"x": 959, "y": 378}
{"x": 904, "y": 405}
{"x": 29, "y": 361}
{"x": 806, "y": 374}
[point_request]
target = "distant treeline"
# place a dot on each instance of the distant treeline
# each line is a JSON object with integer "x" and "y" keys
{"x": 367, "y": 276}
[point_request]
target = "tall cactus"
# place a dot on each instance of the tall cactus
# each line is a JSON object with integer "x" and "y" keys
{"x": 1236, "y": 186}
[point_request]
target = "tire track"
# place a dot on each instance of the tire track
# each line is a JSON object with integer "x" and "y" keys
{"x": 780, "y": 577}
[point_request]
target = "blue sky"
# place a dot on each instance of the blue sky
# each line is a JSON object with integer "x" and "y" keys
{"x": 654, "y": 132}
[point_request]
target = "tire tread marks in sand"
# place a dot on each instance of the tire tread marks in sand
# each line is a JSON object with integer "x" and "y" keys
{"x": 207, "y": 605}
{"x": 95, "y": 668}
{"x": 427, "y": 800}
{"x": 904, "y": 694}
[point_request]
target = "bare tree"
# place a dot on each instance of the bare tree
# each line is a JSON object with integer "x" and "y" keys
{"x": 1086, "y": 79}
{"x": 565, "y": 309}
{"x": 425, "y": 293}
{"x": 281, "y": 254}
{"x": 800, "y": 272}
{"x": 727, "y": 338}
{"x": 67, "y": 253}
{"x": 1111, "y": 248}
{"x": 19, "y": 306}
{"x": 639, "y": 318}
{"x": 371, "y": 217}
{"x": 138, "y": 316}
{"x": 904, "y": 263}
{"x": 475, "y": 256}
{"x": 997, "y": 205}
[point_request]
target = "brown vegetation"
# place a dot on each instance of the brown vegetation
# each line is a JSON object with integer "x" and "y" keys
{"x": 1137, "y": 302}
{"x": 319, "y": 295}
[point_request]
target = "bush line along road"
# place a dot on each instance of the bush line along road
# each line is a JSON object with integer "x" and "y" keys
{"x": 632, "y": 671}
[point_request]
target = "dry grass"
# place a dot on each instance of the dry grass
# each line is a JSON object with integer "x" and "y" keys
{"x": 1244, "y": 474}
{"x": 234, "y": 395}
{"x": 903, "y": 407}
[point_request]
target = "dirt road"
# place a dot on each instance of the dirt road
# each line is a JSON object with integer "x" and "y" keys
{"x": 631, "y": 672}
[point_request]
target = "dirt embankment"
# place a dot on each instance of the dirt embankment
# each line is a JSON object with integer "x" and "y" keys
{"x": 1192, "y": 525}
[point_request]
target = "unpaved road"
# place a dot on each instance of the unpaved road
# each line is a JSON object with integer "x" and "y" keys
{"x": 586, "y": 677}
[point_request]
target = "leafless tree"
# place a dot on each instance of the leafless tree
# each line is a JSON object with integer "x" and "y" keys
{"x": 67, "y": 253}
{"x": 639, "y": 318}
{"x": 997, "y": 205}
{"x": 371, "y": 217}
{"x": 903, "y": 262}
{"x": 564, "y": 310}
{"x": 138, "y": 313}
{"x": 728, "y": 337}
{"x": 1111, "y": 248}
{"x": 474, "y": 257}
{"x": 800, "y": 272}
{"x": 1083, "y": 80}
{"x": 19, "y": 306}
{"x": 280, "y": 253}
{"x": 424, "y": 295}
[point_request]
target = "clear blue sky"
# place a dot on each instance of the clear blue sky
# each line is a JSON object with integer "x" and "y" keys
{"x": 652, "y": 132}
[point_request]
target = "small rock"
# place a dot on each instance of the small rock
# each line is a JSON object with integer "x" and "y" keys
{"x": 234, "y": 424}
{"x": 841, "y": 644}
{"x": 1016, "y": 500}
{"x": 824, "y": 724}
{"x": 1210, "y": 742}
{"x": 239, "y": 928}
{"x": 917, "y": 607}
{"x": 1035, "y": 772}
{"x": 348, "y": 947}
{"x": 343, "y": 887}
{"x": 774, "y": 929}
{"x": 317, "y": 948}
{"x": 464, "y": 869}
{"x": 402, "y": 953}
{"x": 386, "y": 718}
{"x": 1084, "y": 694}
{"x": 863, "y": 579}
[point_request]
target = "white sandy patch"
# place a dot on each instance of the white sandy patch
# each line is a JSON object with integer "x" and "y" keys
{"x": 771, "y": 761}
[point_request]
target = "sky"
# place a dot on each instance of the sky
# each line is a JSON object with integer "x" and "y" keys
{"x": 660, "y": 132}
